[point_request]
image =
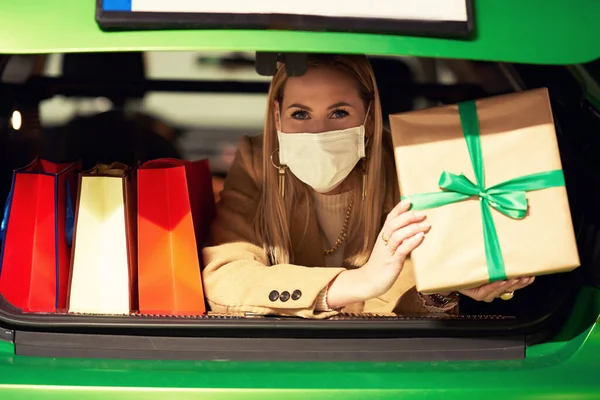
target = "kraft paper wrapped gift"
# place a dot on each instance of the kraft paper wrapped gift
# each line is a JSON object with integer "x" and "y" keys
{"x": 489, "y": 177}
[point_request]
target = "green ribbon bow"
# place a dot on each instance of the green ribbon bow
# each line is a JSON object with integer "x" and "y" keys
{"x": 508, "y": 197}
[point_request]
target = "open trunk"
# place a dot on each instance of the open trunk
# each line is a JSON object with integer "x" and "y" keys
{"x": 481, "y": 331}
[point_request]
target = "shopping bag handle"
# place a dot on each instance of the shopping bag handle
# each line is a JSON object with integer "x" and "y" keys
{"x": 70, "y": 215}
{"x": 5, "y": 216}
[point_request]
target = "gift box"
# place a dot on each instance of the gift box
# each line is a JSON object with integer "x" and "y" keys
{"x": 489, "y": 176}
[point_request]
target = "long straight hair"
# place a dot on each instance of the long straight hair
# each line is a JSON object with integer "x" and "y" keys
{"x": 272, "y": 223}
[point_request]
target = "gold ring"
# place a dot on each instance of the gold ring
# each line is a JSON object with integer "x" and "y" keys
{"x": 507, "y": 295}
{"x": 385, "y": 240}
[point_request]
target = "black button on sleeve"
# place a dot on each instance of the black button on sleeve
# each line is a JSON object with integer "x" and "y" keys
{"x": 285, "y": 296}
{"x": 274, "y": 295}
{"x": 296, "y": 295}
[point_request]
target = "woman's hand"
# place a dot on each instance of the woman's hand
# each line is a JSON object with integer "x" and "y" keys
{"x": 402, "y": 232}
{"x": 490, "y": 291}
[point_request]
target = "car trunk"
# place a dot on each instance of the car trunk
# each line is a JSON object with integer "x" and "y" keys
{"x": 501, "y": 330}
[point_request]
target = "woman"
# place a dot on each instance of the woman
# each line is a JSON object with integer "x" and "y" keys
{"x": 309, "y": 222}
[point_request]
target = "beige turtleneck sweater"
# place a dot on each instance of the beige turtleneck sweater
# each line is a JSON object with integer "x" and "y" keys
{"x": 330, "y": 212}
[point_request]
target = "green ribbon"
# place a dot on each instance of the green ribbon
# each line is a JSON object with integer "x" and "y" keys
{"x": 509, "y": 198}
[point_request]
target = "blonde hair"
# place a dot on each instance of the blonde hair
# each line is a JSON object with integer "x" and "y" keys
{"x": 272, "y": 223}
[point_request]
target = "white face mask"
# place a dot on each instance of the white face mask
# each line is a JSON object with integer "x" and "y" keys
{"x": 322, "y": 160}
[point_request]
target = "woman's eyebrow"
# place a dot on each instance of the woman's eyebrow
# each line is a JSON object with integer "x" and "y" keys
{"x": 340, "y": 104}
{"x": 302, "y": 106}
{"x": 297, "y": 105}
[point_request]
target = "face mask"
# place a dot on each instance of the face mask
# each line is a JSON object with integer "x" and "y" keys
{"x": 322, "y": 160}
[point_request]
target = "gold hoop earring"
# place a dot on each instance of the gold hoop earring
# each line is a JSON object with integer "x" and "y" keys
{"x": 364, "y": 179}
{"x": 281, "y": 175}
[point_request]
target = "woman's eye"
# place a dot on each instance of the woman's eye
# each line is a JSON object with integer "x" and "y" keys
{"x": 300, "y": 115}
{"x": 340, "y": 114}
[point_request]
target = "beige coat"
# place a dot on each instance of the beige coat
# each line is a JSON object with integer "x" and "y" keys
{"x": 237, "y": 275}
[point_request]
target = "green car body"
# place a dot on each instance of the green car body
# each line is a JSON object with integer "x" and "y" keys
{"x": 566, "y": 366}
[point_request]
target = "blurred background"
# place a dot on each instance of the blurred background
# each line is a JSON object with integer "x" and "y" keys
{"x": 132, "y": 107}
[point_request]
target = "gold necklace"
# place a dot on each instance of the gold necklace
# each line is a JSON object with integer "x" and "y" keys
{"x": 344, "y": 232}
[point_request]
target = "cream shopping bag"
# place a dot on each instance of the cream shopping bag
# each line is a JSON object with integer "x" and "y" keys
{"x": 103, "y": 261}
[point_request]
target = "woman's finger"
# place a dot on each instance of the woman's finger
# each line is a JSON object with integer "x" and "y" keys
{"x": 400, "y": 208}
{"x": 400, "y": 221}
{"x": 496, "y": 292}
{"x": 488, "y": 294}
{"x": 511, "y": 286}
{"x": 482, "y": 293}
{"x": 518, "y": 283}
{"x": 400, "y": 235}
{"x": 409, "y": 245}
{"x": 491, "y": 291}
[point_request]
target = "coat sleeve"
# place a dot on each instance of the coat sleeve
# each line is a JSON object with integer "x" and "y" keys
{"x": 237, "y": 276}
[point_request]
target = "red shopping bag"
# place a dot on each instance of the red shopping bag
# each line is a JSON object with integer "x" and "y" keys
{"x": 175, "y": 209}
{"x": 37, "y": 228}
